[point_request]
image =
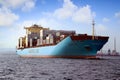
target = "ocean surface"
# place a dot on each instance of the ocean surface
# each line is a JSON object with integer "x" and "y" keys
{"x": 13, "y": 67}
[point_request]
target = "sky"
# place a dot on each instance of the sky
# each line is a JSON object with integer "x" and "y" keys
{"x": 60, "y": 14}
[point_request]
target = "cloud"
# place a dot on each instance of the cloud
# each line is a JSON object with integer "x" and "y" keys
{"x": 117, "y": 14}
{"x": 7, "y": 18}
{"x": 83, "y": 15}
{"x": 100, "y": 28}
{"x": 28, "y": 6}
{"x": 51, "y": 23}
{"x": 23, "y": 4}
{"x": 69, "y": 10}
{"x": 106, "y": 19}
{"x": 44, "y": 22}
{"x": 75, "y": 13}
{"x": 66, "y": 11}
{"x": 12, "y": 3}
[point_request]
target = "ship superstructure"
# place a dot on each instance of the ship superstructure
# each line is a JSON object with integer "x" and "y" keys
{"x": 39, "y": 36}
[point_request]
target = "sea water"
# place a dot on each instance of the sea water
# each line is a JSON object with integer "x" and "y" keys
{"x": 13, "y": 67}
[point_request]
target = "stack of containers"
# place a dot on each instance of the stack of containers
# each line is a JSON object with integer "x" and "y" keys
{"x": 21, "y": 42}
{"x": 41, "y": 37}
{"x": 47, "y": 40}
{"x": 30, "y": 42}
{"x": 51, "y": 39}
{"x": 38, "y": 42}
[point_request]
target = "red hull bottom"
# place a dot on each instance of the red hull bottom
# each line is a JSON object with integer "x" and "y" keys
{"x": 72, "y": 57}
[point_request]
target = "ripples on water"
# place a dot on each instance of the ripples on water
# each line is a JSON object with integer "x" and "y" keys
{"x": 12, "y": 67}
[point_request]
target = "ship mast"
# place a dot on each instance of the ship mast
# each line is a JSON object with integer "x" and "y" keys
{"x": 93, "y": 31}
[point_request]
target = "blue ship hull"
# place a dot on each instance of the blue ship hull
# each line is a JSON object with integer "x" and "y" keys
{"x": 67, "y": 48}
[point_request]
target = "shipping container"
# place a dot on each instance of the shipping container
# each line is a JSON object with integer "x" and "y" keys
{"x": 38, "y": 42}
{"x": 47, "y": 40}
{"x": 20, "y": 42}
{"x": 30, "y": 42}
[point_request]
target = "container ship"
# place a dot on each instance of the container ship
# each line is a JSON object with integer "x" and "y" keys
{"x": 45, "y": 43}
